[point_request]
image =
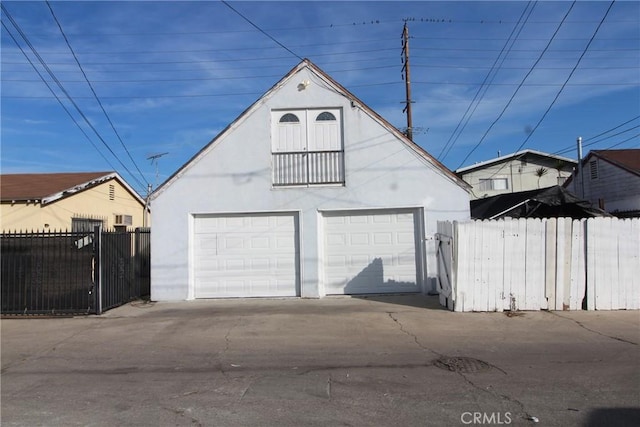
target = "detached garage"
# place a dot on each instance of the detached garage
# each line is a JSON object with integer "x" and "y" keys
{"x": 307, "y": 193}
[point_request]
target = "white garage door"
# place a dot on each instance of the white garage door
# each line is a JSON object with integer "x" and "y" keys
{"x": 371, "y": 252}
{"x": 252, "y": 255}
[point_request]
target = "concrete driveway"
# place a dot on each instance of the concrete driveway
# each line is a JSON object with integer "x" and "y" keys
{"x": 377, "y": 361}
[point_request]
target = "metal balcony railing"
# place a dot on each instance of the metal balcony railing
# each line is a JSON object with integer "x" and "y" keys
{"x": 308, "y": 168}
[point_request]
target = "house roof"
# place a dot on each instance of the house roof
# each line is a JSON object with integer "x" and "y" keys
{"x": 513, "y": 156}
{"x": 625, "y": 159}
{"x": 49, "y": 187}
{"x": 540, "y": 203}
{"x": 337, "y": 87}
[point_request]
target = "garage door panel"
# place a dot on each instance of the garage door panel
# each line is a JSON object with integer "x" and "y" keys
{"x": 372, "y": 252}
{"x": 246, "y": 256}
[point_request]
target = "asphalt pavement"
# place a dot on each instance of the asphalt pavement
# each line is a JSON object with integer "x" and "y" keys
{"x": 370, "y": 361}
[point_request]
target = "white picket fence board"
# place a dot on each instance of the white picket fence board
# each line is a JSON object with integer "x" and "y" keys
{"x": 533, "y": 264}
{"x": 577, "y": 273}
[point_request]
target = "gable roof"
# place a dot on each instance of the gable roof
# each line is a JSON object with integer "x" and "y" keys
{"x": 49, "y": 187}
{"x": 338, "y": 88}
{"x": 514, "y": 156}
{"x": 628, "y": 160}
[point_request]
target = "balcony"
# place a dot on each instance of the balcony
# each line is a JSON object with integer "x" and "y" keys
{"x": 308, "y": 168}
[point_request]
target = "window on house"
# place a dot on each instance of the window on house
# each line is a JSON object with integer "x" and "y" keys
{"x": 307, "y": 147}
{"x": 81, "y": 225}
{"x": 494, "y": 184}
{"x": 126, "y": 220}
{"x": 593, "y": 166}
{"x": 289, "y": 118}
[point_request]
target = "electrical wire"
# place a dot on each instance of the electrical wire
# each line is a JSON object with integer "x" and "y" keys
{"x": 479, "y": 95}
{"x": 544, "y": 115}
{"x": 519, "y": 86}
{"x": 563, "y": 86}
{"x": 95, "y": 94}
{"x": 61, "y": 87}
{"x": 64, "y": 107}
{"x": 261, "y": 30}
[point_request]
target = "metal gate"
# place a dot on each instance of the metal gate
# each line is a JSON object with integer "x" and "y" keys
{"x": 73, "y": 272}
{"x": 47, "y": 273}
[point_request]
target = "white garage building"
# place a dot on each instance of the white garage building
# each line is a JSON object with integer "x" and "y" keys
{"x": 308, "y": 193}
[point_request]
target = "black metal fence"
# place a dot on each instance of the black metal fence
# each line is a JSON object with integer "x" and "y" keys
{"x": 73, "y": 272}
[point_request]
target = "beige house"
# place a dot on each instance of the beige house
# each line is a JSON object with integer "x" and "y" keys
{"x": 69, "y": 201}
{"x": 521, "y": 171}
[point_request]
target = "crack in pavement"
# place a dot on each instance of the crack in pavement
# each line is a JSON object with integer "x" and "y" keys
{"x": 182, "y": 413}
{"x": 523, "y": 411}
{"x": 592, "y": 330}
{"x": 222, "y": 353}
{"x": 46, "y": 350}
{"x": 415, "y": 338}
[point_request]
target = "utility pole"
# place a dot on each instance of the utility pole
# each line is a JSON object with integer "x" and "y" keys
{"x": 407, "y": 80}
{"x": 580, "y": 171}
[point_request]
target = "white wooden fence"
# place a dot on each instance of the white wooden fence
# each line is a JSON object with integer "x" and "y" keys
{"x": 533, "y": 264}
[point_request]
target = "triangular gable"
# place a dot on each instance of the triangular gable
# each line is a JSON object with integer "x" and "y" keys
{"x": 628, "y": 160}
{"x": 306, "y": 63}
{"x": 51, "y": 187}
{"x": 513, "y": 156}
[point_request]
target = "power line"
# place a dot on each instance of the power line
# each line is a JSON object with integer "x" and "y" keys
{"x": 95, "y": 94}
{"x": 52, "y": 75}
{"x": 261, "y": 30}
{"x": 572, "y": 147}
{"x": 622, "y": 142}
{"x": 56, "y": 96}
{"x": 562, "y": 88}
{"x": 201, "y": 61}
{"x": 568, "y": 77}
{"x": 479, "y": 95}
{"x": 235, "y": 49}
{"x": 519, "y": 86}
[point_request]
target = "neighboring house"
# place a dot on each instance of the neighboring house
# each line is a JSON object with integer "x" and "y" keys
{"x": 68, "y": 201}
{"x": 551, "y": 202}
{"x": 520, "y": 171}
{"x": 611, "y": 181}
{"x": 307, "y": 193}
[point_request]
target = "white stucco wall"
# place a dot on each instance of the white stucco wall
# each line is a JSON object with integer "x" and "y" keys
{"x": 233, "y": 175}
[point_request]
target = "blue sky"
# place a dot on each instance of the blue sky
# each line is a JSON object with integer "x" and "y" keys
{"x": 171, "y": 75}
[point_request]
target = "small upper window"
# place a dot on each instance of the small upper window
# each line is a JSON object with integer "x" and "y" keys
{"x": 289, "y": 118}
{"x": 325, "y": 117}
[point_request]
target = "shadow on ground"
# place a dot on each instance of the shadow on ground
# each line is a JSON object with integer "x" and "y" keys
{"x": 409, "y": 300}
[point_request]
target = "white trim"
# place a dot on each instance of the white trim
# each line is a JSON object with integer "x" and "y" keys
{"x": 85, "y": 185}
{"x": 513, "y": 155}
{"x": 315, "y": 72}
